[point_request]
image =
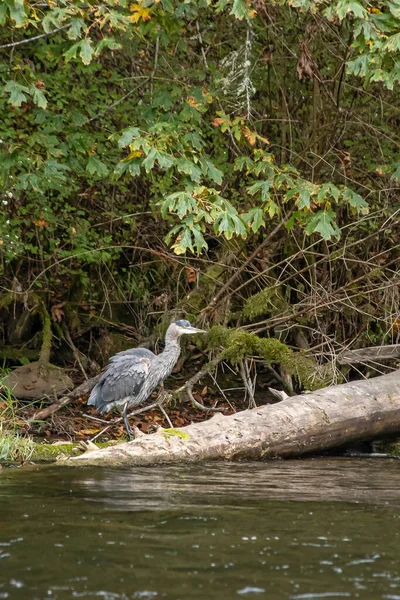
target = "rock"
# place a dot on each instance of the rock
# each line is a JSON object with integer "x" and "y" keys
{"x": 25, "y": 382}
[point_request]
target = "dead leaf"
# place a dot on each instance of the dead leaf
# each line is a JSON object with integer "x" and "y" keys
{"x": 57, "y": 313}
{"x": 306, "y": 65}
{"x": 191, "y": 274}
{"x": 41, "y": 222}
{"x": 88, "y": 431}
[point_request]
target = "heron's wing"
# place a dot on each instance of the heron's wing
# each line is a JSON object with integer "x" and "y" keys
{"x": 123, "y": 378}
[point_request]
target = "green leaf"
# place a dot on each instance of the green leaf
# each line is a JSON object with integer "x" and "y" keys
{"x": 184, "y": 165}
{"x": 96, "y": 167}
{"x": 86, "y": 51}
{"x": 243, "y": 163}
{"x": 394, "y": 8}
{"x": 304, "y": 198}
{"x": 77, "y": 26}
{"x": 323, "y": 222}
{"x": 164, "y": 160}
{"x": 392, "y": 44}
{"x": 107, "y": 42}
{"x": 254, "y": 219}
{"x": 214, "y": 173}
{"x": 17, "y": 93}
{"x": 39, "y": 98}
{"x": 17, "y": 12}
{"x": 184, "y": 241}
{"x": 148, "y": 162}
{"x": 264, "y": 186}
{"x": 199, "y": 241}
{"x": 355, "y": 201}
{"x": 240, "y": 9}
{"x": 127, "y": 137}
{"x": 3, "y": 14}
{"x": 71, "y": 52}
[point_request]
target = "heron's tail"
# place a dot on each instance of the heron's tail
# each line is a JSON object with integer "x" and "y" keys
{"x": 96, "y": 399}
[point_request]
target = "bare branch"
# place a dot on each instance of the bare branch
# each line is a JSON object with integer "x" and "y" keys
{"x": 36, "y": 37}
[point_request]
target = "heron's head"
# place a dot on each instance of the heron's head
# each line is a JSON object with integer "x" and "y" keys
{"x": 184, "y": 327}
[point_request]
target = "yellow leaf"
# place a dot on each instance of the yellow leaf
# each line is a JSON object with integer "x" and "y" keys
{"x": 134, "y": 154}
{"x": 263, "y": 139}
{"x": 192, "y": 101}
{"x": 250, "y": 136}
{"x": 139, "y": 12}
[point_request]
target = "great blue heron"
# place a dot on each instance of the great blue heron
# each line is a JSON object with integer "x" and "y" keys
{"x": 132, "y": 375}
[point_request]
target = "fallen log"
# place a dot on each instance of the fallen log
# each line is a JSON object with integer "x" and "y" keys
{"x": 81, "y": 390}
{"x": 328, "y": 418}
{"x": 370, "y": 354}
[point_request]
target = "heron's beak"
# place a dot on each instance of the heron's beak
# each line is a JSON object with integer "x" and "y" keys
{"x": 195, "y": 330}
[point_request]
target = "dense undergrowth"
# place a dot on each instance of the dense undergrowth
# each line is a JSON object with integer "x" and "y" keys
{"x": 235, "y": 163}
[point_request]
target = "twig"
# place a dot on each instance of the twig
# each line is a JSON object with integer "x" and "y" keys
{"x": 36, "y": 37}
{"x": 81, "y": 390}
{"x": 188, "y": 387}
{"x": 154, "y": 68}
{"x": 242, "y": 267}
{"x": 201, "y": 45}
{"x": 74, "y": 349}
{"x": 114, "y": 104}
{"x": 249, "y": 385}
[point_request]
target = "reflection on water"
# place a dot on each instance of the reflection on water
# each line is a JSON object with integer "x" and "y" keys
{"x": 324, "y": 528}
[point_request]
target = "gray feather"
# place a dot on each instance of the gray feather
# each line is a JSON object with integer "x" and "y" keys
{"x": 122, "y": 379}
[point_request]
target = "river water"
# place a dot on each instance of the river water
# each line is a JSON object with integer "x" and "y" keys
{"x": 301, "y": 530}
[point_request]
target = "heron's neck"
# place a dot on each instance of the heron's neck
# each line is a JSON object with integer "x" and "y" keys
{"x": 171, "y": 352}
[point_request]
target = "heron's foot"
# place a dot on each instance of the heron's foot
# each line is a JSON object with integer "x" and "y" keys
{"x": 134, "y": 433}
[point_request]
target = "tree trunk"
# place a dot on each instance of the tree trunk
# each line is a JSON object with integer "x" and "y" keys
{"x": 328, "y": 418}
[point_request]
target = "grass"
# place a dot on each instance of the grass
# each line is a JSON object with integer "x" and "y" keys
{"x": 13, "y": 446}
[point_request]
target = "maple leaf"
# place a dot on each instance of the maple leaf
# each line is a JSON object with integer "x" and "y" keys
{"x": 250, "y": 136}
{"x": 218, "y": 121}
{"x": 139, "y": 12}
{"x": 192, "y": 101}
{"x": 57, "y": 312}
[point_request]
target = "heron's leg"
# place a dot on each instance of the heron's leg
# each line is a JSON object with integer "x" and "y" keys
{"x": 133, "y": 432}
{"x": 161, "y": 399}
{"x": 126, "y": 422}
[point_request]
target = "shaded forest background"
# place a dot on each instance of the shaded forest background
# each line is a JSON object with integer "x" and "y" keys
{"x": 233, "y": 163}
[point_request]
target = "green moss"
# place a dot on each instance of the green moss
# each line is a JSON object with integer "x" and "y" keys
{"x": 176, "y": 433}
{"x": 268, "y": 301}
{"x": 239, "y": 344}
{"x": 391, "y": 448}
{"x": 6, "y": 300}
{"x": 51, "y": 452}
{"x": 275, "y": 351}
{"x": 12, "y": 353}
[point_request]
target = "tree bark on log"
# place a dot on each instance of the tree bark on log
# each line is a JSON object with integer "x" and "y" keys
{"x": 314, "y": 422}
